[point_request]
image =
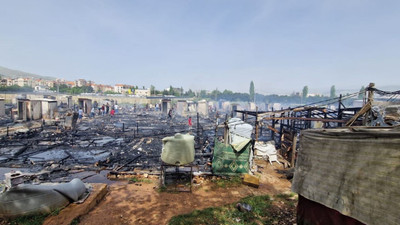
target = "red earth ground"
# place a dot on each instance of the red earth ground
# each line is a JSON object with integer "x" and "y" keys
{"x": 128, "y": 203}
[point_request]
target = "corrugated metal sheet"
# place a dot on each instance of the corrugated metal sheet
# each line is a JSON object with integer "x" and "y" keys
{"x": 354, "y": 171}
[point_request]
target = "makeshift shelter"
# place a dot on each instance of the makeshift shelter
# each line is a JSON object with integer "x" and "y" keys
{"x": 202, "y": 108}
{"x": 165, "y": 106}
{"x": 36, "y": 109}
{"x": 85, "y": 104}
{"x": 49, "y": 108}
{"x": 24, "y": 109}
{"x": 348, "y": 176}
{"x": 235, "y": 154}
{"x": 181, "y": 107}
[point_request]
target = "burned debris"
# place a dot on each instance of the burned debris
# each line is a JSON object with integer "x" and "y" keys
{"x": 52, "y": 143}
{"x": 69, "y": 147}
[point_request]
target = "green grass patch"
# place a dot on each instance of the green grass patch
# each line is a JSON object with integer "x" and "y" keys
{"x": 162, "y": 188}
{"x": 264, "y": 211}
{"x": 36, "y": 219}
{"x": 233, "y": 181}
{"x": 140, "y": 180}
{"x": 28, "y": 220}
{"x": 75, "y": 221}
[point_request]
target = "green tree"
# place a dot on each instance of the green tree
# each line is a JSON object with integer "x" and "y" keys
{"x": 165, "y": 92}
{"x": 361, "y": 93}
{"x": 305, "y": 92}
{"x": 190, "y": 93}
{"x": 152, "y": 90}
{"x": 203, "y": 94}
{"x": 333, "y": 92}
{"x": 251, "y": 91}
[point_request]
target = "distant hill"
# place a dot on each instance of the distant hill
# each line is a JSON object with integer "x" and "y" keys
{"x": 5, "y": 72}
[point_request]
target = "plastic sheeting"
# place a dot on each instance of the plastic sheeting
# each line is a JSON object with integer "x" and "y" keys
{"x": 354, "y": 171}
{"x": 239, "y": 131}
{"x": 31, "y": 199}
{"x": 267, "y": 150}
{"x": 178, "y": 150}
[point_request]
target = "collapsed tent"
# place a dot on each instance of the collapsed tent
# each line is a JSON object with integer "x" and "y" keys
{"x": 26, "y": 199}
{"x": 234, "y": 157}
{"x": 355, "y": 172}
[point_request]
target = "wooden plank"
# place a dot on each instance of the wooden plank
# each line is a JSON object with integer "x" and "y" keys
{"x": 303, "y": 118}
{"x": 294, "y": 149}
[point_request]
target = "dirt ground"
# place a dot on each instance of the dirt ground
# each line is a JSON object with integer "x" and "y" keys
{"x": 134, "y": 204}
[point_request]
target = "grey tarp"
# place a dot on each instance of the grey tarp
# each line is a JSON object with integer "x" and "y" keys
{"x": 30, "y": 199}
{"x": 354, "y": 171}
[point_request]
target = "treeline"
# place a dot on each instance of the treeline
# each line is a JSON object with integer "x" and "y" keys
{"x": 228, "y": 95}
{"x": 63, "y": 88}
{"x": 16, "y": 88}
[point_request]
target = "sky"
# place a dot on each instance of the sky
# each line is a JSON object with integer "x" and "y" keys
{"x": 281, "y": 45}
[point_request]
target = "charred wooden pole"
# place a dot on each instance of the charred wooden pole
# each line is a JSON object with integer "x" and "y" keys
{"x": 226, "y": 133}
{"x": 273, "y": 126}
{"x": 198, "y": 128}
{"x": 340, "y": 115}
{"x": 281, "y": 131}
{"x": 256, "y": 124}
{"x": 294, "y": 146}
{"x": 309, "y": 116}
{"x": 370, "y": 99}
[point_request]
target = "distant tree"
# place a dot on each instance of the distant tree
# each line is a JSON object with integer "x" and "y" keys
{"x": 203, "y": 94}
{"x": 110, "y": 92}
{"x": 305, "y": 92}
{"x": 171, "y": 90}
{"x": 152, "y": 89}
{"x": 190, "y": 93}
{"x": 251, "y": 91}
{"x": 165, "y": 92}
{"x": 215, "y": 94}
{"x": 16, "y": 88}
{"x": 333, "y": 92}
{"x": 361, "y": 93}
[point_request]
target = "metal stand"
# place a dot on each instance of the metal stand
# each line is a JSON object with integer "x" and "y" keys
{"x": 179, "y": 177}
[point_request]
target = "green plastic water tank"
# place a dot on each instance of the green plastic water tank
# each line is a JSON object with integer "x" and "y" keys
{"x": 178, "y": 150}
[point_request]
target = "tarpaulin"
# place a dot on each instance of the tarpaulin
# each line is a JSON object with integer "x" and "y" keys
{"x": 355, "y": 171}
{"x": 228, "y": 161}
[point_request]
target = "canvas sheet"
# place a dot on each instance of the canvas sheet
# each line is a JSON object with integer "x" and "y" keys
{"x": 354, "y": 171}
